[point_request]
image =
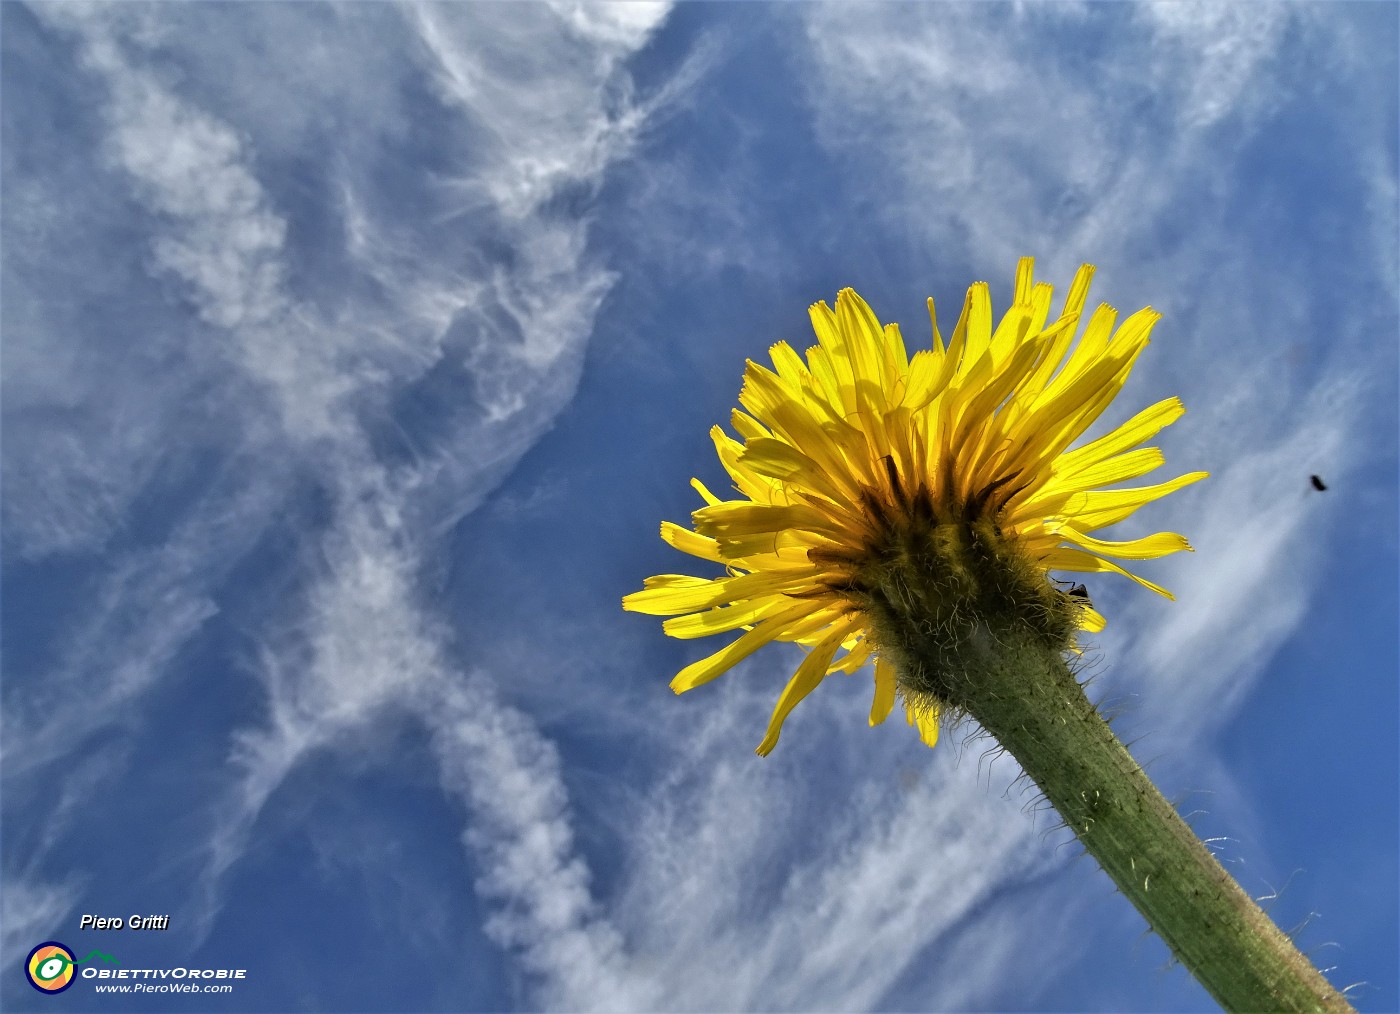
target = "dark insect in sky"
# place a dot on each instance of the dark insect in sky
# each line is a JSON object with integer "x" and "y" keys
{"x": 1318, "y": 484}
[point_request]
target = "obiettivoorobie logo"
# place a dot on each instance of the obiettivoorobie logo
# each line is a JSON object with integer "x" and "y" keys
{"x": 49, "y": 967}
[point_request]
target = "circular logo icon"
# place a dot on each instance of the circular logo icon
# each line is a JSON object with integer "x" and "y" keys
{"x": 49, "y": 967}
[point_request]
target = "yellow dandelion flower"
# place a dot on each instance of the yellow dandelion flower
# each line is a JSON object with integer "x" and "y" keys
{"x": 902, "y": 509}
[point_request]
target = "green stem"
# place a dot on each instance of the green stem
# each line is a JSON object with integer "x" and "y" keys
{"x": 1032, "y": 704}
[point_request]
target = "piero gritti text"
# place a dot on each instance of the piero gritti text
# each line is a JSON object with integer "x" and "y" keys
{"x": 135, "y": 922}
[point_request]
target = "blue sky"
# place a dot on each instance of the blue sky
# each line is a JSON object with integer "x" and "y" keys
{"x": 352, "y": 355}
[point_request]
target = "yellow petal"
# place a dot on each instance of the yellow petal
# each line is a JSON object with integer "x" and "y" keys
{"x": 1025, "y": 274}
{"x": 704, "y": 492}
{"x": 832, "y": 342}
{"x": 1061, "y": 334}
{"x": 742, "y": 549}
{"x": 858, "y": 655}
{"x": 789, "y": 366}
{"x": 779, "y": 460}
{"x": 1071, "y": 494}
{"x": 864, "y": 344}
{"x": 1103, "y": 473}
{"x": 1091, "y": 619}
{"x": 752, "y": 485}
{"x": 1041, "y": 294}
{"x": 810, "y": 673}
{"x": 773, "y": 402}
{"x": 926, "y": 718}
{"x": 885, "y": 685}
{"x": 929, "y": 373}
{"x": 819, "y": 362}
{"x": 795, "y": 620}
{"x": 688, "y": 542}
{"x": 810, "y": 424}
{"x": 739, "y": 521}
{"x": 663, "y": 590}
{"x": 1078, "y": 291}
{"x": 977, "y": 328}
{"x": 1148, "y": 547}
{"x": 1137, "y": 430}
{"x": 1059, "y": 419}
{"x": 1077, "y": 560}
{"x": 1015, "y": 325}
{"x": 1101, "y": 508}
{"x": 671, "y": 594}
{"x": 1091, "y": 347}
{"x": 938, "y": 346}
{"x": 896, "y": 358}
{"x": 747, "y": 426}
{"x": 726, "y": 618}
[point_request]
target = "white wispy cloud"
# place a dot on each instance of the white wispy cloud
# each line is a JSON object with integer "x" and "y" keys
{"x": 1210, "y": 53}
{"x": 1093, "y": 149}
{"x": 1250, "y": 584}
{"x": 498, "y": 763}
{"x": 542, "y": 91}
{"x": 217, "y": 230}
{"x": 358, "y": 645}
{"x": 822, "y": 879}
{"x": 150, "y": 602}
{"x": 140, "y": 613}
{"x": 622, "y": 27}
{"x": 364, "y": 641}
{"x": 28, "y": 910}
{"x": 542, "y": 103}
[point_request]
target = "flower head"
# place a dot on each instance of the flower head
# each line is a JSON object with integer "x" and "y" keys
{"x": 885, "y": 500}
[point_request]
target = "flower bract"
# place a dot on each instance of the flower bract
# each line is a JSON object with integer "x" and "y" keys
{"x": 872, "y": 486}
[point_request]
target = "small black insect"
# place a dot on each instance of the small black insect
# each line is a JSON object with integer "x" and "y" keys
{"x": 1318, "y": 484}
{"x": 1076, "y": 590}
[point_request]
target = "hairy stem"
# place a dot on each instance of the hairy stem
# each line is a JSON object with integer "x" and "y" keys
{"x": 1026, "y": 697}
